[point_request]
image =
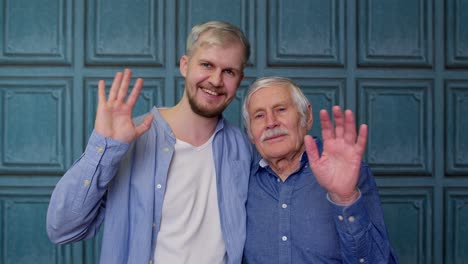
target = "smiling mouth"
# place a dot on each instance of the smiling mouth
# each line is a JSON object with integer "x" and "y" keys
{"x": 210, "y": 92}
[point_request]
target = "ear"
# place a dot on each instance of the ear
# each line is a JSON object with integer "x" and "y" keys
{"x": 183, "y": 65}
{"x": 310, "y": 118}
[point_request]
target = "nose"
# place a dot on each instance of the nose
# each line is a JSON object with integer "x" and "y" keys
{"x": 271, "y": 120}
{"x": 216, "y": 78}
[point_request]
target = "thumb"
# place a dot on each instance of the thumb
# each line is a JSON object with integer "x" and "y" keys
{"x": 143, "y": 127}
{"x": 311, "y": 149}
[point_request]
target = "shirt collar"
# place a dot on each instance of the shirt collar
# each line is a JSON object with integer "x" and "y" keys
{"x": 161, "y": 122}
{"x": 262, "y": 163}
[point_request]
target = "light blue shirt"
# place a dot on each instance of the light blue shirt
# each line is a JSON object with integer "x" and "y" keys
{"x": 123, "y": 186}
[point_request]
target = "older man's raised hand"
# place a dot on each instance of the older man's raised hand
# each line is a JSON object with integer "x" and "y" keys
{"x": 337, "y": 169}
{"x": 114, "y": 114}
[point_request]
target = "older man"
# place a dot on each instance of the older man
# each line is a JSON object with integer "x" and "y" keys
{"x": 308, "y": 202}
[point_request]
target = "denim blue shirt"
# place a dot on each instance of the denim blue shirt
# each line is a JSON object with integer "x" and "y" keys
{"x": 294, "y": 221}
{"x": 123, "y": 186}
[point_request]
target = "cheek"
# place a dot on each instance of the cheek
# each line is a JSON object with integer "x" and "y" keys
{"x": 300, "y": 135}
{"x": 231, "y": 82}
{"x": 256, "y": 134}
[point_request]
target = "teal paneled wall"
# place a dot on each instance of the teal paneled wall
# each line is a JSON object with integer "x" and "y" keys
{"x": 401, "y": 65}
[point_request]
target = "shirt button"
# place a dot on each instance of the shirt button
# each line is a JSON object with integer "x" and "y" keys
{"x": 351, "y": 219}
{"x": 158, "y": 186}
{"x": 153, "y": 225}
{"x": 284, "y": 206}
{"x": 86, "y": 182}
{"x": 340, "y": 217}
{"x": 284, "y": 238}
{"x": 278, "y": 180}
{"x": 361, "y": 260}
{"x": 166, "y": 149}
{"x": 100, "y": 149}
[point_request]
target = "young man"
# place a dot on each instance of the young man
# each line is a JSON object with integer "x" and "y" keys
{"x": 171, "y": 189}
{"x": 306, "y": 205}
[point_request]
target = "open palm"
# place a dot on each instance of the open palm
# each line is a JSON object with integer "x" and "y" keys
{"x": 337, "y": 168}
{"x": 114, "y": 114}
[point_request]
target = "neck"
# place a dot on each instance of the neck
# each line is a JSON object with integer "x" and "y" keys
{"x": 189, "y": 126}
{"x": 286, "y": 166}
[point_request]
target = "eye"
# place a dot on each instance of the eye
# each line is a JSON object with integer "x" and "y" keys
{"x": 282, "y": 109}
{"x": 205, "y": 65}
{"x": 230, "y": 72}
{"x": 258, "y": 116}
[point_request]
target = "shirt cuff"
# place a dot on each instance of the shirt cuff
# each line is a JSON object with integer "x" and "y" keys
{"x": 104, "y": 150}
{"x": 352, "y": 219}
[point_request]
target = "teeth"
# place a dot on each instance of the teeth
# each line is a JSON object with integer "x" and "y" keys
{"x": 210, "y": 92}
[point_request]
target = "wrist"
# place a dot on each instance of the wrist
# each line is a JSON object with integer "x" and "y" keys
{"x": 344, "y": 200}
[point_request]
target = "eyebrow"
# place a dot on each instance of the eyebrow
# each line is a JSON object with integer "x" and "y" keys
{"x": 229, "y": 67}
{"x": 262, "y": 108}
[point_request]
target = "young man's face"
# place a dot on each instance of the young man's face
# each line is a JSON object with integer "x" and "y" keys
{"x": 213, "y": 73}
{"x": 275, "y": 123}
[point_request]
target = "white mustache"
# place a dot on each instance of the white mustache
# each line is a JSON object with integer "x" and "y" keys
{"x": 274, "y": 132}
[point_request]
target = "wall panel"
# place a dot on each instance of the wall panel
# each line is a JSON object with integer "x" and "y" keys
{"x": 399, "y": 116}
{"x": 42, "y": 106}
{"x": 408, "y": 214}
{"x": 35, "y": 32}
{"x": 306, "y": 33}
{"x": 120, "y": 32}
{"x": 457, "y": 33}
{"x": 23, "y": 238}
{"x": 456, "y": 238}
{"x": 395, "y": 33}
{"x": 457, "y": 125}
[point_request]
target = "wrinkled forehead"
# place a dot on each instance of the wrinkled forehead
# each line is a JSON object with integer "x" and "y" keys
{"x": 269, "y": 95}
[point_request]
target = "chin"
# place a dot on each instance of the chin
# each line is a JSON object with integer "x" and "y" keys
{"x": 207, "y": 111}
{"x": 276, "y": 154}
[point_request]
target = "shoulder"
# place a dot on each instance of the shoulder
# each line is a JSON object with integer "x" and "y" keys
{"x": 234, "y": 131}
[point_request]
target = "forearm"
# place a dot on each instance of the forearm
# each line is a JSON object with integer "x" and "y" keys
{"x": 76, "y": 207}
{"x": 362, "y": 239}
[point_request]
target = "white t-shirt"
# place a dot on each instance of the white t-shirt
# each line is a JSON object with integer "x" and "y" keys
{"x": 190, "y": 226}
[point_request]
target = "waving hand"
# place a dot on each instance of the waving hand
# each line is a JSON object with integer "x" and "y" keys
{"x": 337, "y": 169}
{"x": 114, "y": 114}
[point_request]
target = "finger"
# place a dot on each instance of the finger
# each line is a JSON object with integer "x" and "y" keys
{"x": 349, "y": 127}
{"x": 311, "y": 150}
{"x": 133, "y": 97}
{"x": 362, "y": 139}
{"x": 339, "y": 121}
{"x": 143, "y": 127}
{"x": 101, "y": 92}
{"x": 115, "y": 86}
{"x": 127, "y": 77}
{"x": 327, "y": 127}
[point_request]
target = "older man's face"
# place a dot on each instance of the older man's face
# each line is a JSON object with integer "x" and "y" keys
{"x": 275, "y": 123}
